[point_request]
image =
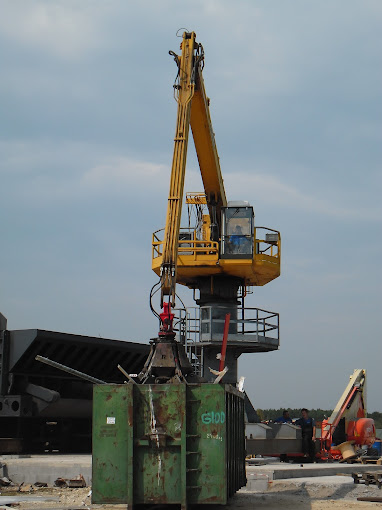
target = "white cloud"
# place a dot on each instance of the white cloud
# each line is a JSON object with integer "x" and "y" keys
{"x": 49, "y": 171}
{"x": 354, "y": 132}
{"x": 273, "y": 191}
{"x": 70, "y": 170}
{"x": 122, "y": 174}
{"x": 64, "y": 28}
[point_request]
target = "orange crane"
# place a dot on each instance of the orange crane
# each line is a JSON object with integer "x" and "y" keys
{"x": 348, "y": 427}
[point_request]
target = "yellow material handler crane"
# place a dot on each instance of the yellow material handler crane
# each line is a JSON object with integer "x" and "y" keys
{"x": 222, "y": 254}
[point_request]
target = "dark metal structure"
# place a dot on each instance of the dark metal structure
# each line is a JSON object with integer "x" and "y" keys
{"x": 44, "y": 409}
{"x": 167, "y": 437}
{"x": 167, "y": 444}
{"x": 200, "y": 330}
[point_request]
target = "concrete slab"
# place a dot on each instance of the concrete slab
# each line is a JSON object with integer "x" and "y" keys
{"x": 261, "y": 482}
{"x": 328, "y": 481}
{"x": 260, "y": 461}
{"x": 258, "y": 482}
{"x": 46, "y": 468}
{"x": 55, "y": 507}
{"x": 283, "y": 471}
{"x": 8, "y": 500}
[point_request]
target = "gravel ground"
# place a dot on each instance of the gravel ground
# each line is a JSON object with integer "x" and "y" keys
{"x": 322, "y": 493}
{"x": 337, "y": 493}
{"x": 55, "y": 498}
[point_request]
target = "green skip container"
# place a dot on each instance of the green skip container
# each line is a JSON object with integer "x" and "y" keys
{"x": 167, "y": 444}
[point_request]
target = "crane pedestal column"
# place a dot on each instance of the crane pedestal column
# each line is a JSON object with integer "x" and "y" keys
{"x": 218, "y": 297}
{"x": 250, "y": 329}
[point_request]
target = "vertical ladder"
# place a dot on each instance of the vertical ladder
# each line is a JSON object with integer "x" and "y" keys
{"x": 192, "y": 450}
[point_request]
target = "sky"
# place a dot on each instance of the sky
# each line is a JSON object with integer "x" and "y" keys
{"x": 86, "y": 137}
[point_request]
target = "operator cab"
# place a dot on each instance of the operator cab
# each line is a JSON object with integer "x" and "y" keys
{"x": 237, "y": 236}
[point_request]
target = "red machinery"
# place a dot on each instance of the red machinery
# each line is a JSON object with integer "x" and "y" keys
{"x": 348, "y": 428}
{"x": 342, "y": 434}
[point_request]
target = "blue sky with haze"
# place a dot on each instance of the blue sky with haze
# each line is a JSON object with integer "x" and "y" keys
{"x": 87, "y": 124}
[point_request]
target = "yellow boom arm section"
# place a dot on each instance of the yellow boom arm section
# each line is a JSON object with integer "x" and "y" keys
{"x": 204, "y": 139}
{"x": 192, "y": 109}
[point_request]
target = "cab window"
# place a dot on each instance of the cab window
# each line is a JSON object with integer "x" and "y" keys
{"x": 237, "y": 232}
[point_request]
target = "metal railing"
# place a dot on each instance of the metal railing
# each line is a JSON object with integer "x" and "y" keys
{"x": 270, "y": 245}
{"x": 190, "y": 246}
{"x": 186, "y": 326}
{"x": 196, "y": 326}
{"x": 249, "y": 323}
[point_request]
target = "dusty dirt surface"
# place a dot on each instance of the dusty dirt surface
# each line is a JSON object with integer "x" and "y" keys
{"x": 281, "y": 495}
{"x": 58, "y": 498}
{"x": 295, "y": 495}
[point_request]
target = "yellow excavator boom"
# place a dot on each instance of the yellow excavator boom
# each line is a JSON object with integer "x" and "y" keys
{"x": 204, "y": 139}
{"x": 193, "y": 110}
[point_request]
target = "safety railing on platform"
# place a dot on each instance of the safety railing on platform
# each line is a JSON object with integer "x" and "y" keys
{"x": 195, "y": 326}
{"x": 186, "y": 326}
{"x": 188, "y": 245}
{"x": 269, "y": 243}
{"x": 249, "y": 323}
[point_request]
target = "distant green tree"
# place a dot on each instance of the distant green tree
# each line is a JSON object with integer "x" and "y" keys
{"x": 377, "y": 417}
{"x": 317, "y": 414}
{"x": 260, "y": 414}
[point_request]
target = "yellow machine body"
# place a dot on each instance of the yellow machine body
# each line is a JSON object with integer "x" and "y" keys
{"x": 212, "y": 246}
{"x": 200, "y": 258}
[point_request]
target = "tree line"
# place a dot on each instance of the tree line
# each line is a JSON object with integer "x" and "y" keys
{"x": 317, "y": 414}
